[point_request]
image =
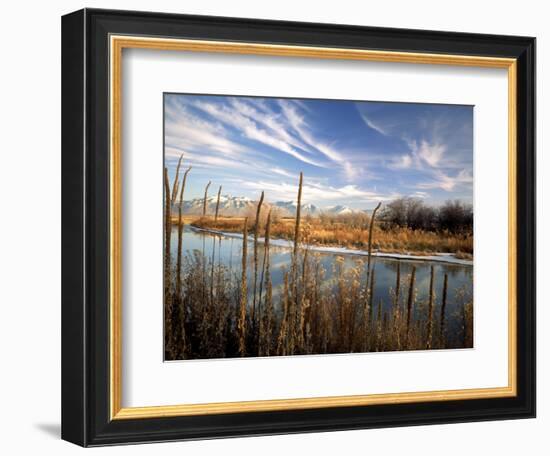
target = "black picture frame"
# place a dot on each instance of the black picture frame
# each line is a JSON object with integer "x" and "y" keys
{"x": 85, "y": 228}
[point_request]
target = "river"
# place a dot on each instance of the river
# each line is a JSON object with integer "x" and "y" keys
{"x": 228, "y": 250}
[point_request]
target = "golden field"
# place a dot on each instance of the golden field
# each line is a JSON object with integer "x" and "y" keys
{"x": 353, "y": 234}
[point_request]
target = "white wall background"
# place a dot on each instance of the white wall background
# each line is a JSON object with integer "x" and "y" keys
{"x": 30, "y": 192}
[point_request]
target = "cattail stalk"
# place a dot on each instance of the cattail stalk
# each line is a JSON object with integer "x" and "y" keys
{"x": 265, "y": 322}
{"x": 371, "y": 227}
{"x": 397, "y": 307}
{"x": 183, "y": 184}
{"x": 298, "y": 209}
{"x": 167, "y": 228}
{"x": 218, "y": 204}
{"x": 430, "y": 309}
{"x": 294, "y": 303}
{"x": 180, "y": 233}
{"x": 397, "y": 286}
{"x": 371, "y": 292}
{"x": 303, "y": 301}
{"x": 410, "y": 300}
{"x": 178, "y": 261}
{"x": 265, "y": 263}
{"x": 212, "y": 269}
{"x": 268, "y": 315}
{"x": 244, "y": 293}
{"x": 205, "y": 198}
{"x": 177, "y": 305}
{"x": 367, "y": 312}
{"x": 442, "y": 316}
{"x": 176, "y": 181}
{"x": 379, "y": 325}
{"x": 256, "y": 229}
{"x": 282, "y": 342}
{"x": 167, "y": 234}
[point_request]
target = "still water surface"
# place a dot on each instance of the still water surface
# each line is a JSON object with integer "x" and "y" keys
{"x": 228, "y": 251}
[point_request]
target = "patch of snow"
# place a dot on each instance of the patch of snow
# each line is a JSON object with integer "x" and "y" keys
{"x": 284, "y": 243}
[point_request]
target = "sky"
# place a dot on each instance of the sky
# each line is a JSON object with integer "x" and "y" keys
{"x": 353, "y": 153}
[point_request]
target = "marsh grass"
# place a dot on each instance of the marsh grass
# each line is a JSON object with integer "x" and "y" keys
{"x": 344, "y": 232}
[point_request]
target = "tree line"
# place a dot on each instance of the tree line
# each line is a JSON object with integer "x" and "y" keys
{"x": 454, "y": 216}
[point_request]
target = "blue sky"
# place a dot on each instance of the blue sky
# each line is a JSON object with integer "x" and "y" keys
{"x": 352, "y": 153}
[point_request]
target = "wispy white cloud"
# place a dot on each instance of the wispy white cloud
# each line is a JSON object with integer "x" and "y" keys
{"x": 375, "y": 126}
{"x": 431, "y": 153}
{"x": 282, "y": 172}
{"x": 251, "y": 130}
{"x": 300, "y": 126}
{"x": 351, "y": 171}
{"x": 259, "y": 112}
{"x": 187, "y": 131}
{"x": 206, "y": 160}
{"x": 317, "y": 193}
{"x": 402, "y": 162}
{"x": 426, "y": 153}
{"x": 448, "y": 183}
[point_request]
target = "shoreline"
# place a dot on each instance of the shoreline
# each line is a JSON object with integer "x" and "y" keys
{"x": 284, "y": 243}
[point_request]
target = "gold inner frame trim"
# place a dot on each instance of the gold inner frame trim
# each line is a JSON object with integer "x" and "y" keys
{"x": 117, "y": 44}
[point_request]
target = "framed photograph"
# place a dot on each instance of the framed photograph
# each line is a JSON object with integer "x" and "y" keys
{"x": 278, "y": 227}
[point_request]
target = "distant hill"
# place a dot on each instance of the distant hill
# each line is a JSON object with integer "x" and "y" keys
{"x": 229, "y": 205}
{"x": 341, "y": 210}
{"x": 241, "y": 206}
{"x": 288, "y": 208}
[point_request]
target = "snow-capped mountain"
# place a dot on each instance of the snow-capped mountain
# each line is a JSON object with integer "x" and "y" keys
{"x": 229, "y": 205}
{"x": 243, "y": 206}
{"x": 288, "y": 208}
{"x": 340, "y": 210}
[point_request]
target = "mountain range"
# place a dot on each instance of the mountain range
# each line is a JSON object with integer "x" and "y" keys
{"x": 241, "y": 206}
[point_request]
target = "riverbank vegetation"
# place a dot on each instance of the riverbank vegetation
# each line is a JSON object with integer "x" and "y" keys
{"x": 352, "y": 232}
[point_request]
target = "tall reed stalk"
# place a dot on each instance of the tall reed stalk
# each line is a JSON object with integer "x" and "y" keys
{"x": 265, "y": 263}
{"x": 179, "y": 253}
{"x": 442, "y": 316}
{"x": 304, "y": 303}
{"x": 180, "y": 233}
{"x": 282, "y": 340}
{"x": 294, "y": 302}
{"x": 397, "y": 306}
{"x": 410, "y": 302}
{"x": 205, "y": 198}
{"x": 397, "y": 286}
{"x": 267, "y": 316}
{"x": 367, "y": 310}
{"x": 181, "y": 304}
{"x": 184, "y": 180}
{"x": 298, "y": 210}
{"x": 167, "y": 235}
{"x": 167, "y": 230}
{"x": 430, "y": 309}
{"x": 256, "y": 230}
{"x": 371, "y": 226}
{"x": 218, "y": 204}
{"x": 379, "y": 326}
{"x": 176, "y": 181}
{"x": 244, "y": 292}
{"x": 371, "y": 291}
